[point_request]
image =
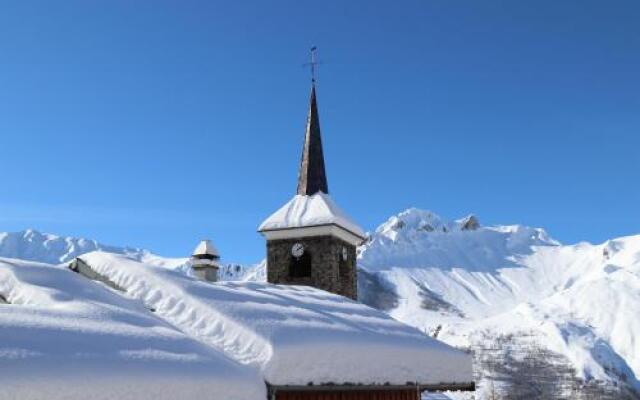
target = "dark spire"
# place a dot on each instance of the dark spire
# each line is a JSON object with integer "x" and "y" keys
{"x": 312, "y": 177}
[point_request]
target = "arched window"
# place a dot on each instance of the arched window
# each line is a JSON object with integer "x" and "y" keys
{"x": 344, "y": 262}
{"x": 344, "y": 268}
{"x": 300, "y": 267}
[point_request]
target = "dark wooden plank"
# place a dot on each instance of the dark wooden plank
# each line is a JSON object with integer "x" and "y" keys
{"x": 366, "y": 394}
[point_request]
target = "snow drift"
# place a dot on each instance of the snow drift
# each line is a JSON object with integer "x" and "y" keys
{"x": 294, "y": 334}
{"x": 65, "y": 337}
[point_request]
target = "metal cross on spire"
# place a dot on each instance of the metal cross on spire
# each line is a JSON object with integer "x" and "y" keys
{"x": 312, "y": 177}
{"x": 313, "y": 64}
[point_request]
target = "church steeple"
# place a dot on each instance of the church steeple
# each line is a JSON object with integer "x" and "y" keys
{"x": 310, "y": 240}
{"x": 312, "y": 177}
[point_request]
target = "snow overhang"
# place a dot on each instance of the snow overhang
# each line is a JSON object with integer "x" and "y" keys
{"x": 314, "y": 230}
{"x": 314, "y": 211}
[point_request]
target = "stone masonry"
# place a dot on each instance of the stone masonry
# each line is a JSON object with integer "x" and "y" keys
{"x": 328, "y": 269}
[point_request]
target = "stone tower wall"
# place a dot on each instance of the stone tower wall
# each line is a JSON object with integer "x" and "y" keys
{"x": 328, "y": 271}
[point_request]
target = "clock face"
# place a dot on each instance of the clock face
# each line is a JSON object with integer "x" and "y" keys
{"x": 345, "y": 254}
{"x": 297, "y": 250}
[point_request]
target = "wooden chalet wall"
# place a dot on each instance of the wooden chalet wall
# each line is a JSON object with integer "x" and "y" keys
{"x": 367, "y": 394}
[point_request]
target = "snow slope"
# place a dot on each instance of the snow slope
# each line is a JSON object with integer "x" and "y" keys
{"x": 294, "y": 334}
{"x": 65, "y": 337}
{"x": 463, "y": 282}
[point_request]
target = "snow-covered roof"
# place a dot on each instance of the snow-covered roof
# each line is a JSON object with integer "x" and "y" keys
{"x": 293, "y": 334}
{"x": 306, "y": 211}
{"x": 206, "y": 247}
{"x": 65, "y": 337}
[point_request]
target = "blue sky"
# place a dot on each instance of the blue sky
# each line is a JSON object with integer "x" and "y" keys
{"x": 157, "y": 123}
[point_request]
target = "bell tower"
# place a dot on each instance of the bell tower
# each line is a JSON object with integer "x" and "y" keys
{"x": 310, "y": 240}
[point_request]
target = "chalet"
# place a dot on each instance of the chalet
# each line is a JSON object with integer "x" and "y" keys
{"x": 305, "y": 342}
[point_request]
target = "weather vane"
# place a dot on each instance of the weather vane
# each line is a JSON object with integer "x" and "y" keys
{"x": 313, "y": 64}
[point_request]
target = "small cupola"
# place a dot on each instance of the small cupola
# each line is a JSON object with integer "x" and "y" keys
{"x": 205, "y": 261}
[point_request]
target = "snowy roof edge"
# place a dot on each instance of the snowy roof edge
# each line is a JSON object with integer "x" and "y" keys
{"x": 303, "y": 211}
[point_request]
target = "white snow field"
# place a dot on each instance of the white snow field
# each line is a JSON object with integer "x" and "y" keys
{"x": 581, "y": 301}
{"x": 295, "y": 335}
{"x": 63, "y": 336}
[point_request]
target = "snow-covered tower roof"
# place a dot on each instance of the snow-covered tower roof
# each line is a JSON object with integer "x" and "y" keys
{"x": 206, "y": 249}
{"x": 311, "y": 215}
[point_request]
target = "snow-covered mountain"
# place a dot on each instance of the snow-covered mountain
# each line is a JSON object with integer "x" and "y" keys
{"x": 31, "y": 245}
{"x": 474, "y": 286}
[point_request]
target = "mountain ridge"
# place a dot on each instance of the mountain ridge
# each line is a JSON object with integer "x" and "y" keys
{"x": 33, "y": 245}
{"x": 473, "y": 286}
